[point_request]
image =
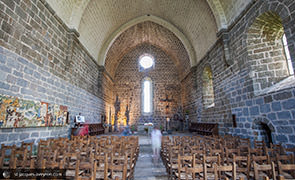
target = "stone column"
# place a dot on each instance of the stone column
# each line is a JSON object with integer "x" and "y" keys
{"x": 117, "y": 110}
{"x": 127, "y": 115}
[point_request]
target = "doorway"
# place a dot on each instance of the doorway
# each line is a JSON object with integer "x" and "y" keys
{"x": 264, "y": 133}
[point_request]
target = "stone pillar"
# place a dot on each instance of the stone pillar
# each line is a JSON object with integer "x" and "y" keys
{"x": 224, "y": 37}
{"x": 117, "y": 110}
{"x": 127, "y": 115}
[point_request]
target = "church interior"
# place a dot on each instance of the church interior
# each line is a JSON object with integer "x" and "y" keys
{"x": 212, "y": 74}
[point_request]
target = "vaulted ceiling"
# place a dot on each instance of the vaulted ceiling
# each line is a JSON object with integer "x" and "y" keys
{"x": 194, "y": 24}
{"x": 151, "y": 33}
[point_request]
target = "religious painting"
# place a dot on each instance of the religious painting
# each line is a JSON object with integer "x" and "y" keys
{"x": 62, "y": 116}
{"x": 9, "y": 115}
{"x": 50, "y": 115}
{"x": 28, "y": 110}
{"x": 4, "y": 104}
{"x": 42, "y": 114}
{"x": 16, "y": 112}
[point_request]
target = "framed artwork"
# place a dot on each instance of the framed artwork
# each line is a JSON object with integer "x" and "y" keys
{"x": 62, "y": 115}
{"x": 16, "y": 112}
{"x": 42, "y": 115}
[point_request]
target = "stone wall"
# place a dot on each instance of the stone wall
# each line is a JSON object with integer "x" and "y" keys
{"x": 107, "y": 88}
{"x": 41, "y": 59}
{"x": 276, "y": 107}
{"x": 192, "y": 91}
{"x": 165, "y": 80}
{"x": 266, "y": 53}
{"x": 233, "y": 83}
{"x": 12, "y": 136}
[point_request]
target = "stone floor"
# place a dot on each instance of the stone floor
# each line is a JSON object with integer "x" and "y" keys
{"x": 147, "y": 168}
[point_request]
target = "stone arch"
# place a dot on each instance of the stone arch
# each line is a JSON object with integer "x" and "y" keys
{"x": 207, "y": 87}
{"x": 77, "y": 12}
{"x": 267, "y": 62}
{"x": 189, "y": 48}
{"x": 219, "y": 14}
{"x": 263, "y": 129}
{"x": 265, "y": 121}
{"x": 279, "y": 8}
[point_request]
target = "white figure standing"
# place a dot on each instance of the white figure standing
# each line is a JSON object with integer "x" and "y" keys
{"x": 156, "y": 142}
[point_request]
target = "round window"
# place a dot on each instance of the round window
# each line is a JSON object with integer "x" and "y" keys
{"x": 146, "y": 61}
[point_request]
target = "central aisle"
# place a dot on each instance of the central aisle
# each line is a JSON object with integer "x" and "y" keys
{"x": 145, "y": 168}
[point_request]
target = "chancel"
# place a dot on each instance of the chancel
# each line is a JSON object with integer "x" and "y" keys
{"x": 216, "y": 77}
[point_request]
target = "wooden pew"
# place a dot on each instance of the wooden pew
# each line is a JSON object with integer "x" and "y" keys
{"x": 93, "y": 129}
{"x": 96, "y": 129}
{"x": 207, "y": 129}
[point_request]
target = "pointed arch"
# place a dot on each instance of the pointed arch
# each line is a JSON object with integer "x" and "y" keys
{"x": 108, "y": 43}
{"x": 219, "y": 14}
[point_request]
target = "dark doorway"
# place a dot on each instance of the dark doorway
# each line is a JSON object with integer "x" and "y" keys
{"x": 265, "y": 133}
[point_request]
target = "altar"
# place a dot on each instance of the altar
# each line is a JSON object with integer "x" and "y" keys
{"x": 146, "y": 127}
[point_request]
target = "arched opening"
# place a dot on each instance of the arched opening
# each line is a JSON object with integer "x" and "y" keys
{"x": 147, "y": 96}
{"x": 265, "y": 133}
{"x": 269, "y": 59}
{"x": 263, "y": 130}
{"x": 287, "y": 54}
{"x": 208, "y": 91}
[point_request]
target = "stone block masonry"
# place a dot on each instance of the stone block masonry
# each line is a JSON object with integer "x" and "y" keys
{"x": 32, "y": 30}
{"x": 42, "y": 59}
{"x": 12, "y": 136}
{"x": 39, "y": 84}
{"x": 271, "y": 106}
{"x": 235, "y": 91}
{"x": 165, "y": 82}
